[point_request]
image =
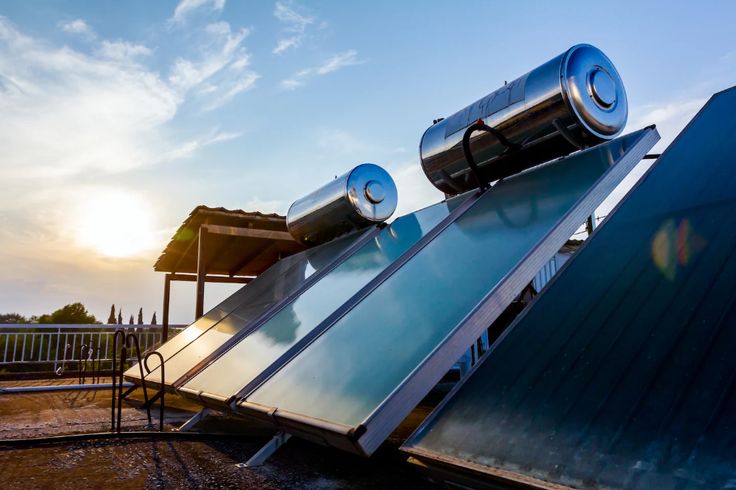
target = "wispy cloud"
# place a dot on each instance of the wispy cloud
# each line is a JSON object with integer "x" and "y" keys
{"x": 185, "y": 7}
{"x": 77, "y": 26}
{"x": 331, "y": 64}
{"x": 220, "y": 72}
{"x": 295, "y": 26}
{"x": 64, "y": 103}
{"x": 122, "y": 50}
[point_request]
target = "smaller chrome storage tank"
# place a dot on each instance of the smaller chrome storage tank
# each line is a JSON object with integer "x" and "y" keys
{"x": 575, "y": 100}
{"x": 363, "y": 196}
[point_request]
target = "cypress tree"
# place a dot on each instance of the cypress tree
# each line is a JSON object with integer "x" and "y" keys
{"x": 111, "y": 318}
{"x": 140, "y": 316}
{"x": 153, "y": 320}
{"x": 131, "y": 322}
{"x": 120, "y": 317}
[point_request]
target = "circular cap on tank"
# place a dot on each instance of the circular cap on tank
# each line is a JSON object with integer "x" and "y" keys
{"x": 594, "y": 91}
{"x": 372, "y": 192}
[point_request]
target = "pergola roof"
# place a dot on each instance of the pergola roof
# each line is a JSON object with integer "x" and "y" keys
{"x": 237, "y": 242}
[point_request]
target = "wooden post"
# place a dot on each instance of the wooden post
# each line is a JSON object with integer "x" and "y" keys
{"x": 167, "y": 295}
{"x": 201, "y": 273}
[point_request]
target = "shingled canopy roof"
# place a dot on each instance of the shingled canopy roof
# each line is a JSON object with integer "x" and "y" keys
{"x": 238, "y": 243}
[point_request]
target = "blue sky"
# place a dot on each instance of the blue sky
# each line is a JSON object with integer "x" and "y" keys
{"x": 157, "y": 107}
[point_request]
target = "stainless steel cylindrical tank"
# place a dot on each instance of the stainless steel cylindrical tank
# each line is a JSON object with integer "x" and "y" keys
{"x": 363, "y": 196}
{"x": 574, "y": 100}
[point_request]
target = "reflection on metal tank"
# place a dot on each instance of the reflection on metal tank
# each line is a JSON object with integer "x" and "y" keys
{"x": 574, "y": 100}
{"x": 363, "y": 196}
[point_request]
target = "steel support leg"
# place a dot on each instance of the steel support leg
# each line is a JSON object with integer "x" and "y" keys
{"x": 186, "y": 426}
{"x": 266, "y": 451}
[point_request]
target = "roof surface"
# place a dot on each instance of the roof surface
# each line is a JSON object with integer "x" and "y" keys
{"x": 228, "y": 254}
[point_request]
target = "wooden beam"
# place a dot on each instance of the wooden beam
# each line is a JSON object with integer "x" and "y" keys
{"x": 184, "y": 254}
{"x": 219, "y": 279}
{"x": 212, "y": 259}
{"x": 167, "y": 296}
{"x": 201, "y": 272}
{"x": 249, "y": 232}
{"x": 278, "y": 220}
{"x": 258, "y": 254}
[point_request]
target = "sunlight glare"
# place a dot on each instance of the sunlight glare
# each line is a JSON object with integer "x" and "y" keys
{"x": 115, "y": 224}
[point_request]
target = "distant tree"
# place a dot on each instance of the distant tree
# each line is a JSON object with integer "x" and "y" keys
{"x": 131, "y": 322}
{"x": 140, "y": 316}
{"x": 111, "y": 318}
{"x": 12, "y": 318}
{"x": 69, "y": 314}
{"x": 153, "y": 320}
{"x": 120, "y": 317}
{"x": 44, "y": 319}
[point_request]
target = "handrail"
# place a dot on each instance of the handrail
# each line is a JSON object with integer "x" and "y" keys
{"x": 92, "y": 326}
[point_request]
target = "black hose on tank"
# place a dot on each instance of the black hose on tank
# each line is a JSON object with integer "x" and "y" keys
{"x": 479, "y": 125}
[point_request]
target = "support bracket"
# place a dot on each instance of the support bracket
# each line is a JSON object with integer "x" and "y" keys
{"x": 266, "y": 451}
{"x": 196, "y": 418}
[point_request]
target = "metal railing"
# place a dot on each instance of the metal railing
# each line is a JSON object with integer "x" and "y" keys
{"x": 57, "y": 345}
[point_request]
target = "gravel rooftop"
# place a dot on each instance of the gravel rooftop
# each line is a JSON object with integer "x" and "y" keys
{"x": 143, "y": 463}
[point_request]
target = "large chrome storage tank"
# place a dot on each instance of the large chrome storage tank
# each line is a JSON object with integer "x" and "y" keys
{"x": 574, "y": 100}
{"x": 363, "y": 196}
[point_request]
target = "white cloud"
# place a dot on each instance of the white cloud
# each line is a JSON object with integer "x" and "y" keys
{"x": 414, "y": 189}
{"x": 189, "y": 148}
{"x": 67, "y": 111}
{"x": 246, "y": 82}
{"x": 227, "y": 50}
{"x": 122, "y": 50}
{"x": 670, "y": 117}
{"x": 185, "y": 7}
{"x": 295, "y": 26}
{"x": 338, "y": 61}
{"x": 77, "y": 26}
{"x": 331, "y": 64}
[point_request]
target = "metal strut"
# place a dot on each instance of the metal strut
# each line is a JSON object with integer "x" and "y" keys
{"x": 194, "y": 420}
{"x": 479, "y": 125}
{"x": 266, "y": 451}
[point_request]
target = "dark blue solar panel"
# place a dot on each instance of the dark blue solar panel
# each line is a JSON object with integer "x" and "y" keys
{"x": 623, "y": 373}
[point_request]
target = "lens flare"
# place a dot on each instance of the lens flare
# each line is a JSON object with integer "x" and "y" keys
{"x": 674, "y": 246}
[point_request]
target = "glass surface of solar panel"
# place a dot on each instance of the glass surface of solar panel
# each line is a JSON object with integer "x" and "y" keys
{"x": 219, "y": 324}
{"x": 254, "y": 353}
{"x": 622, "y": 374}
{"x": 348, "y": 372}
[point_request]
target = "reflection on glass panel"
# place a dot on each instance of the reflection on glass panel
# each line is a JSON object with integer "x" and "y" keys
{"x": 226, "y": 376}
{"x": 623, "y": 374}
{"x": 209, "y": 332}
{"x": 351, "y": 369}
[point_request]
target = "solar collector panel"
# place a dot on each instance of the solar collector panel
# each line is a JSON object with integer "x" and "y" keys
{"x": 366, "y": 362}
{"x": 621, "y": 374}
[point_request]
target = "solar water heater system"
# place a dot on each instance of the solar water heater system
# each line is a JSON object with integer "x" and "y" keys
{"x": 622, "y": 373}
{"x": 373, "y": 319}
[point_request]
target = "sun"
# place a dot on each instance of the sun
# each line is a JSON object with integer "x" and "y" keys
{"x": 114, "y": 224}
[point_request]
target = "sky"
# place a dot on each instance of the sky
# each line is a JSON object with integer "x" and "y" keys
{"x": 118, "y": 118}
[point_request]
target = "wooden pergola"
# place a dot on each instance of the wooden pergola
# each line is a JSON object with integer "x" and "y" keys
{"x": 224, "y": 246}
